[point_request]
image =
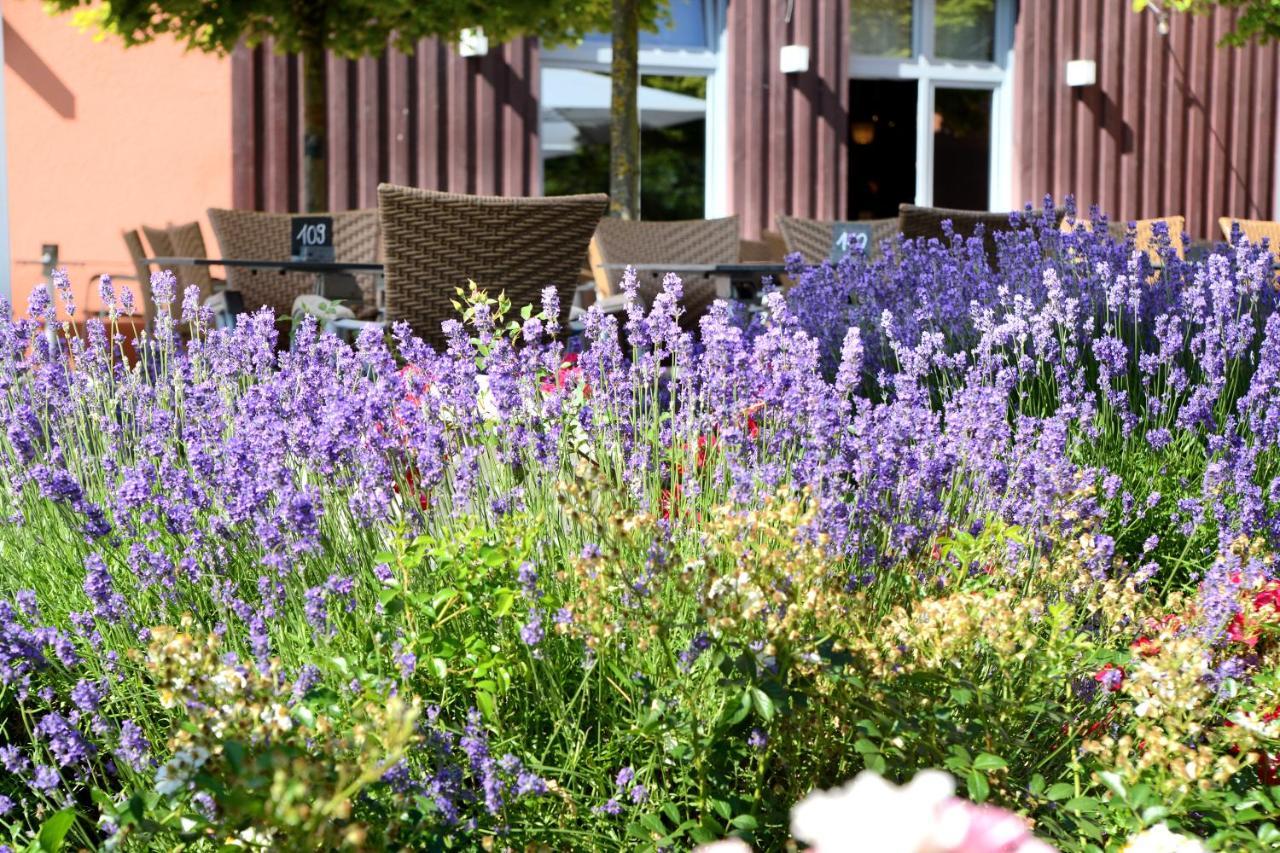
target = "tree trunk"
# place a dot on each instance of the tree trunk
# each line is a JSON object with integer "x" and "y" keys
{"x": 624, "y": 108}
{"x": 315, "y": 146}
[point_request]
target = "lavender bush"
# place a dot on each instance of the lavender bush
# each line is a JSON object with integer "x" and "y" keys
{"x": 1014, "y": 520}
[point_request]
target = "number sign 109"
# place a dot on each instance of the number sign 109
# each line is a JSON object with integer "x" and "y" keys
{"x": 312, "y": 234}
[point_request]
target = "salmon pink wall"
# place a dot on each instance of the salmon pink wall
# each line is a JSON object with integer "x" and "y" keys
{"x": 101, "y": 139}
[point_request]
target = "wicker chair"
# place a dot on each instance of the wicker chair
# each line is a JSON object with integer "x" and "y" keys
{"x": 690, "y": 241}
{"x": 915, "y": 221}
{"x": 435, "y": 242}
{"x": 254, "y": 235}
{"x": 142, "y": 293}
{"x": 812, "y": 238}
{"x": 1255, "y": 230}
{"x": 188, "y": 242}
{"x": 1144, "y": 233}
{"x": 769, "y": 249}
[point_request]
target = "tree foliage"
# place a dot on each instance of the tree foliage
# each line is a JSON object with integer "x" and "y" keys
{"x": 1258, "y": 21}
{"x": 351, "y": 28}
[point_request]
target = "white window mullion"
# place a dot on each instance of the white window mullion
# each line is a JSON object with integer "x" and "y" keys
{"x": 924, "y": 29}
{"x": 924, "y": 142}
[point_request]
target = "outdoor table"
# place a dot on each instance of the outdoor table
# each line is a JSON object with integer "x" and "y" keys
{"x": 320, "y": 269}
{"x": 729, "y": 278}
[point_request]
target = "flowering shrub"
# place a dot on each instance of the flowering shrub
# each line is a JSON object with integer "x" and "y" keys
{"x": 1014, "y": 522}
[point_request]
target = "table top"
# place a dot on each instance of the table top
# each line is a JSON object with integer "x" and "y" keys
{"x": 278, "y": 266}
{"x": 745, "y": 268}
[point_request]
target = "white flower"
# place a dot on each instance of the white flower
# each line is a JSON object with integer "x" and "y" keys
{"x": 1161, "y": 839}
{"x": 171, "y": 778}
{"x": 728, "y": 845}
{"x": 872, "y": 814}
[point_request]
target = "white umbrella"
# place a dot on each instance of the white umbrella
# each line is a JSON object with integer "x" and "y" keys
{"x": 582, "y": 98}
{"x": 559, "y": 137}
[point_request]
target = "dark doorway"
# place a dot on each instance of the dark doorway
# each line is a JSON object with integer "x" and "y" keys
{"x": 962, "y": 148}
{"x": 882, "y": 151}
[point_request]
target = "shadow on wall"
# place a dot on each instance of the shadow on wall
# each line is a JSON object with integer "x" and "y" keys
{"x": 28, "y": 65}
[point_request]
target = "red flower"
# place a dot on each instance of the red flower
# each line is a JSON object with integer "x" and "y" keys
{"x": 669, "y": 502}
{"x": 1145, "y": 647}
{"x": 1268, "y": 598}
{"x": 412, "y": 488}
{"x": 567, "y": 375}
{"x": 1236, "y": 632}
{"x": 1110, "y": 677}
{"x": 1268, "y": 768}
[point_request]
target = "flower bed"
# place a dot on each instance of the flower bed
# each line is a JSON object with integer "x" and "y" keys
{"x": 1014, "y": 522}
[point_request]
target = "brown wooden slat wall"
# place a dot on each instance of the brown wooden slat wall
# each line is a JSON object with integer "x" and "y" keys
{"x": 428, "y": 119}
{"x": 1175, "y": 125}
{"x": 788, "y": 133}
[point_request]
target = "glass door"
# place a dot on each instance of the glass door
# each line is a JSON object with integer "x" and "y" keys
{"x": 929, "y": 104}
{"x": 961, "y": 137}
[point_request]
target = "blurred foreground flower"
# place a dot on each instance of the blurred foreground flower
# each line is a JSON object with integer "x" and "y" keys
{"x": 923, "y": 816}
{"x": 1161, "y": 839}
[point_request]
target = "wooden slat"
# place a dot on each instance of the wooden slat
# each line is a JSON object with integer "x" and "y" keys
{"x": 399, "y": 164}
{"x": 276, "y": 141}
{"x": 805, "y": 136}
{"x": 339, "y": 130}
{"x": 245, "y": 178}
{"x": 1132, "y": 118}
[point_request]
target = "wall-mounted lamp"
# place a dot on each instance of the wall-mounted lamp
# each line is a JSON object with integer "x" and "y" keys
{"x": 1162, "y": 16}
{"x": 1082, "y": 72}
{"x": 793, "y": 59}
{"x": 864, "y": 133}
{"x": 473, "y": 42}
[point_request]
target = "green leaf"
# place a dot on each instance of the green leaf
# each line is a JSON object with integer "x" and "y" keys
{"x": 864, "y": 746}
{"x": 440, "y": 668}
{"x": 1060, "y": 791}
{"x": 978, "y": 787}
{"x": 1113, "y": 781}
{"x": 874, "y": 762}
{"x": 505, "y": 600}
{"x": 1037, "y": 785}
{"x": 961, "y": 695}
{"x": 54, "y": 830}
{"x": 234, "y": 751}
{"x": 745, "y": 822}
{"x": 304, "y": 715}
{"x": 1154, "y": 814}
{"x": 654, "y": 824}
{"x": 722, "y": 808}
{"x": 488, "y": 706}
{"x": 762, "y": 703}
{"x": 1081, "y": 805}
{"x": 987, "y": 761}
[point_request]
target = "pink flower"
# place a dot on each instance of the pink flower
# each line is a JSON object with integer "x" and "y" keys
{"x": 922, "y": 816}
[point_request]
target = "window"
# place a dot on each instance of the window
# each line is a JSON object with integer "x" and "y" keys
{"x": 684, "y": 157}
{"x": 929, "y": 104}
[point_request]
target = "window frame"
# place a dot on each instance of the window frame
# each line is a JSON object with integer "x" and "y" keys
{"x": 710, "y": 61}
{"x": 932, "y": 73}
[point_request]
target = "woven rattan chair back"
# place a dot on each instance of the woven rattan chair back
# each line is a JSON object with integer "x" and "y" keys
{"x": 915, "y": 221}
{"x": 1144, "y": 233}
{"x": 435, "y": 242}
{"x": 142, "y": 271}
{"x": 812, "y": 238}
{"x": 689, "y": 241}
{"x": 188, "y": 242}
{"x": 257, "y": 236}
{"x": 1255, "y": 231}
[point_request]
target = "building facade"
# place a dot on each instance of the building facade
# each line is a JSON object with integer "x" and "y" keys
{"x": 834, "y": 109}
{"x": 954, "y": 104}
